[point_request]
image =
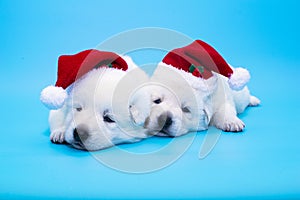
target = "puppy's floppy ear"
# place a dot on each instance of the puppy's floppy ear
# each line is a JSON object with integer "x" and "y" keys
{"x": 140, "y": 106}
{"x": 136, "y": 116}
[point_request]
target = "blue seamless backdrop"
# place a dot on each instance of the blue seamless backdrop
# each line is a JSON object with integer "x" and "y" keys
{"x": 262, "y": 162}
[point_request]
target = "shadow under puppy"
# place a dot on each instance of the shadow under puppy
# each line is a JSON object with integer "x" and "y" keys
{"x": 85, "y": 111}
{"x": 194, "y": 87}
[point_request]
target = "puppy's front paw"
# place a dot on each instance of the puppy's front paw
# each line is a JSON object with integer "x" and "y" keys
{"x": 233, "y": 124}
{"x": 58, "y": 136}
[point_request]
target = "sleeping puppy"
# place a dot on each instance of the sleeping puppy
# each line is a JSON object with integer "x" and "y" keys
{"x": 193, "y": 95}
{"x": 92, "y": 116}
{"x": 175, "y": 107}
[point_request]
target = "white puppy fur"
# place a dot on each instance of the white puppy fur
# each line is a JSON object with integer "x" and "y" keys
{"x": 88, "y": 119}
{"x": 182, "y": 103}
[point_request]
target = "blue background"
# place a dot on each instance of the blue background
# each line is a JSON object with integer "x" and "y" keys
{"x": 262, "y": 162}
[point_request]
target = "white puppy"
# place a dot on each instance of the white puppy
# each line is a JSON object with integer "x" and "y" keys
{"x": 94, "y": 114}
{"x": 178, "y": 107}
{"x": 192, "y": 96}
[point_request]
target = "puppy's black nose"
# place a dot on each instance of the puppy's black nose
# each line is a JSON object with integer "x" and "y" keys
{"x": 168, "y": 122}
{"x": 80, "y": 133}
{"x": 165, "y": 120}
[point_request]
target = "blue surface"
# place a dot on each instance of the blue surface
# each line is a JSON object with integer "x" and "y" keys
{"x": 262, "y": 162}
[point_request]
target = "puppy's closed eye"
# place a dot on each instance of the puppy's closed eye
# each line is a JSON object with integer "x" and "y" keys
{"x": 108, "y": 119}
{"x": 78, "y": 109}
{"x": 186, "y": 109}
{"x": 157, "y": 101}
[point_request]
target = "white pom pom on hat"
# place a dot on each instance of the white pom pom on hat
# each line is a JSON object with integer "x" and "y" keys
{"x": 73, "y": 67}
{"x": 53, "y": 97}
{"x": 201, "y": 59}
{"x": 239, "y": 78}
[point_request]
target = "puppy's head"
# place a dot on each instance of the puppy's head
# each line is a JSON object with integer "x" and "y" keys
{"x": 177, "y": 107}
{"x": 97, "y": 114}
{"x": 172, "y": 115}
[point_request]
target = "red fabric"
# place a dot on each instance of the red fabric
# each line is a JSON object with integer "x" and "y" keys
{"x": 72, "y": 67}
{"x": 197, "y": 73}
{"x": 198, "y": 53}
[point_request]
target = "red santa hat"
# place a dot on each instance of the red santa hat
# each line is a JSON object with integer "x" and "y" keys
{"x": 73, "y": 67}
{"x": 201, "y": 59}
